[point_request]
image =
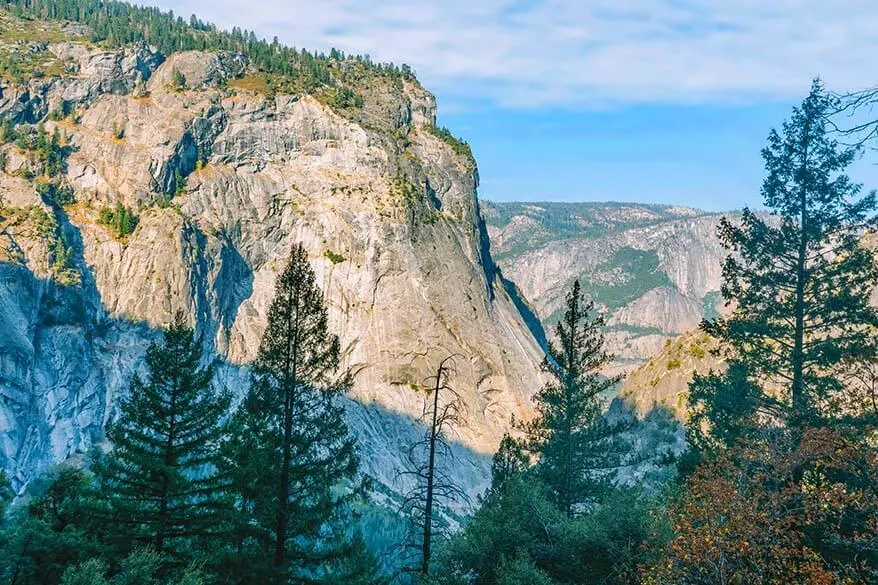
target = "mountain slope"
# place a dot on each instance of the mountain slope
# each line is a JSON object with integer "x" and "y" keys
{"x": 225, "y": 172}
{"x": 654, "y": 269}
{"x": 664, "y": 380}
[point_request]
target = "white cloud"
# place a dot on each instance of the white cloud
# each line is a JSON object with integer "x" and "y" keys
{"x": 592, "y": 53}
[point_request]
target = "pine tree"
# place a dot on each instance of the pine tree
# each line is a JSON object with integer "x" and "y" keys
{"x": 509, "y": 462}
{"x": 53, "y": 526}
{"x": 358, "y": 566}
{"x": 291, "y": 452}
{"x": 799, "y": 282}
{"x": 576, "y": 446}
{"x": 161, "y": 477}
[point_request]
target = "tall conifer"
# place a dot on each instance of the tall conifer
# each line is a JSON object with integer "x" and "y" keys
{"x": 291, "y": 451}
{"x": 799, "y": 283}
{"x": 161, "y": 476}
{"x": 576, "y": 446}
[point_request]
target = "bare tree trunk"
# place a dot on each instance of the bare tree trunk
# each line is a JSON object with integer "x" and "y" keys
{"x": 431, "y": 467}
{"x": 433, "y": 483}
{"x": 798, "y": 390}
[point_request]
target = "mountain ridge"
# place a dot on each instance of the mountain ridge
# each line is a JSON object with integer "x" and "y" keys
{"x": 653, "y": 269}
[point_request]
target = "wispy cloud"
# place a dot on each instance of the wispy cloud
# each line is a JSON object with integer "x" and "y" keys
{"x": 584, "y": 53}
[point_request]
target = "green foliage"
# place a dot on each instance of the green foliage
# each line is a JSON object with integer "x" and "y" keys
{"x": 620, "y": 536}
{"x": 552, "y": 220}
{"x": 521, "y": 570}
{"x": 54, "y": 194}
{"x": 347, "y": 98}
{"x": 520, "y": 536}
{"x": 141, "y": 567}
{"x": 6, "y": 494}
{"x": 160, "y": 478}
{"x": 577, "y": 448}
{"x": 49, "y": 151}
{"x": 460, "y": 147}
{"x": 19, "y": 64}
{"x": 800, "y": 284}
{"x": 60, "y": 253}
{"x": 695, "y": 350}
{"x": 178, "y": 80}
{"x": 121, "y": 220}
{"x": 333, "y": 257}
{"x": 509, "y": 462}
{"x": 642, "y": 273}
{"x": 62, "y": 111}
{"x": 723, "y": 407}
{"x": 357, "y": 566}
{"x": 180, "y": 181}
{"x": 91, "y": 572}
{"x": 673, "y": 364}
{"x": 290, "y": 449}
{"x": 518, "y": 521}
{"x": 54, "y": 529}
{"x": 116, "y": 24}
{"x": 404, "y": 191}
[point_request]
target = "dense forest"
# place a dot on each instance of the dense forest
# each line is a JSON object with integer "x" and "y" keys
{"x": 115, "y": 24}
{"x": 779, "y": 483}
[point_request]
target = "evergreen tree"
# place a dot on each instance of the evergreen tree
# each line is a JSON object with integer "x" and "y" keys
{"x": 358, "y": 566}
{"x": 509, "y": 462}
{"x": 800, "y": 284}
{"x": 161, "y": 477}
{"x": 577, "y": 447}
{"x": 6, "y": 495}
{"x": 291, "y": 453}
{"x": 53, "y": 526}
{"x": 141, "y": 567}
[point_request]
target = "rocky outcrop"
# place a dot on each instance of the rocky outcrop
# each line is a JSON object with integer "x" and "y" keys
{"x": 663, "y": 381}
{"x": 225, "y": 180}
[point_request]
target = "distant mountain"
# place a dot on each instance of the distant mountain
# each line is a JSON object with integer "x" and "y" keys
{"x": 655, "y": 269}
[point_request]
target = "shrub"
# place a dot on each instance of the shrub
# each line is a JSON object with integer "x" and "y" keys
{"x": 333, "y": 257}
{"x": 52, "y": 193}
{"x": 460, "y": 147}
{"x": 696, "y": 351}
{"x": 178, "y": 80}
{"x": 120, "y": 220}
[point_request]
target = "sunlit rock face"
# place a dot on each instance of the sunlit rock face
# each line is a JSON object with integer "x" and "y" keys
{"x": 225, "y": 181}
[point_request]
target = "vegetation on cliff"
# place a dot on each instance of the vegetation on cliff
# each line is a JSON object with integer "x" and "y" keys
{"x": 116, "y": 24}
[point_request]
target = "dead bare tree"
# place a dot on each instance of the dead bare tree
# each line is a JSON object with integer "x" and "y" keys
{"x": 429, "y": 466}
{"x": 855, "y": 118}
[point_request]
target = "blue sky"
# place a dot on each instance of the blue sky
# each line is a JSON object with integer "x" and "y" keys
{"x": 665, "y": 101}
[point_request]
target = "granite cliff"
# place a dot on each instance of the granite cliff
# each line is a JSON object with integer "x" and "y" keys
{"x": 224, "y": 175}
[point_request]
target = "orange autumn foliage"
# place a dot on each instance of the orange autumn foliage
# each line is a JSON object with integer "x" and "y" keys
{"x": 770, "y": 513}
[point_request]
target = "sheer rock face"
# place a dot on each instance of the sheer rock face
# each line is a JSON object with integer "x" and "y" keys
{"x": 656, "y": 271}
{"x": 225, "y": 181}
